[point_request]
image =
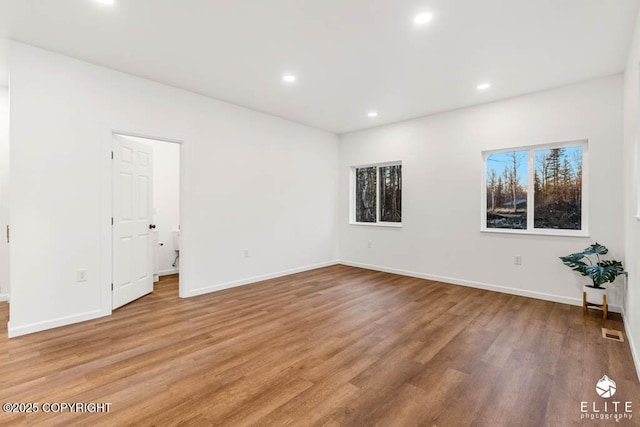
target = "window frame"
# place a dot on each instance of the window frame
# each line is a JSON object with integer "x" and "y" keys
{"x": 531, "y": 230}
{"x": 352, "y": 198}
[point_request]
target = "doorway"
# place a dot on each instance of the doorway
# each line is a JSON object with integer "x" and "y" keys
{"x": 145, "y": 215}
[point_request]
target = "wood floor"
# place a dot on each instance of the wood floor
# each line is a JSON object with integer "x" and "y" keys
{"x": 338, "y": 346}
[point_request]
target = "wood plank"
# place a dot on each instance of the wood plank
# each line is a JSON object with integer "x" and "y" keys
{"x": 334, "y": 346}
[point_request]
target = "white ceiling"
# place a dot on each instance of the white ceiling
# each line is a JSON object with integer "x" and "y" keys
{"x": 350, "y": 56}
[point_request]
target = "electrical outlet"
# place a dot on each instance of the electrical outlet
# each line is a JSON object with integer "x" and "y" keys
{"x": 369, "y": 244}
{"x": 82, "y": 275}
{"x": 517, "y": 260}
{"x": 246, "y": 253}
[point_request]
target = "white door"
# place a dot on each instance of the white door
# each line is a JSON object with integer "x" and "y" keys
{"x": 132, "y": 209}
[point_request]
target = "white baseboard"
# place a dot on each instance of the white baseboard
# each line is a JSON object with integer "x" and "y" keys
{"x": 4, "y": 298}
{"x": 632, "y": 344}
{"x": 213, "y": 288}
{"x": 168, "y": 272}
{"x": 478, "y": 285}
{"x": 15, "y": 331}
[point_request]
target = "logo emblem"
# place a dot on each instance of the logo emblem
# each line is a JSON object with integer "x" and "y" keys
{"x": 606, "y": 387}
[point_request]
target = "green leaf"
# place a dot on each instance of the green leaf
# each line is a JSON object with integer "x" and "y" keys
{"x": 572, "y": 258}
{"x": 605, "y": 271}
{"x": 597, "y": 274}
{"x": 596, "y": 249}
{"x": 574, "y": 262}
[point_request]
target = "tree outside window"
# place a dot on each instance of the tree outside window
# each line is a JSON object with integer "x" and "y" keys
{"x": 377, "y": 196}
{"x": 536, "y": 189}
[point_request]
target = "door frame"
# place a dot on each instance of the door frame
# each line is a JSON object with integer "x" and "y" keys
{"x": 106, "y": 208}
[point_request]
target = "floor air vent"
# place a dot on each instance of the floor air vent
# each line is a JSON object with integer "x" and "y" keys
{"x": 611, "y": 334}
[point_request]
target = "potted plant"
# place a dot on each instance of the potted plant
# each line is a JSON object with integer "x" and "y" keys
{"x": 599, "y": 270}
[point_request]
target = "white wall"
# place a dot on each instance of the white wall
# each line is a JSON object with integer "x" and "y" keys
{"x": 4, "y": 192}
{"x": 442, "y": 163}
{"x": 251, "y": 181}
{"x": 631, "y": 217}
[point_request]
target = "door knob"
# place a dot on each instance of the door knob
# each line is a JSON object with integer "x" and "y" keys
{"x": 152, "y": 226}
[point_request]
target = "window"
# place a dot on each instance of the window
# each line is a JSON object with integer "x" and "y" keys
{"x": 376, "y": 196}
{"x": 507, "y": 187}
{"x": 536, "y": 189}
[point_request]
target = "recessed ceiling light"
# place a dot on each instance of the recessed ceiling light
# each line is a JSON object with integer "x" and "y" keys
{"x": 289, "y": 78}
{"x": 484, "y": 86}
{"x": 106, "y": 2}
{"x": 423, "y": 18}
{"x": 372, "y": 114}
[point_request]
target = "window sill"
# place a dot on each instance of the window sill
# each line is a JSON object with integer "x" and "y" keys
{"x": 379, "y": 224}
{"x": 555, "y": 233}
